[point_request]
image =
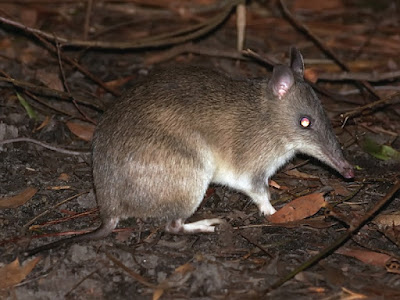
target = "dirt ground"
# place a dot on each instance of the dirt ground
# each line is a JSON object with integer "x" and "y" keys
{"x": 248, "y": 253}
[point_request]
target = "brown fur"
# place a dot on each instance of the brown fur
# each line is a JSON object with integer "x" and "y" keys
{"x": 156, "y": 151}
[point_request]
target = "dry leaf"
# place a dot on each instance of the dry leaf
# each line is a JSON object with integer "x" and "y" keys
{"x": 157, "y": 294}
{"x": 45, "y": 122}
{"x": 50, "y": 79}
{"x": 298, "y": 174}
{"x": 338, "y": 187}
{"x": 299, "y": 208}
{"x": 366, "y": 256}
{"x": 13, "y": 273}
{"x": 392, "y": 219}
{"x": 123, "y": 236}
{"x": 177, "y": 278}
{"x": 274, "y": 184}
{"x": 117, "y": 83}
{"x": 81, "y": 129}
{"x": 28, "y": 17}
{"x": 184, "y": 268}
{"x": 19, "y": 199}
{"x": 63, "y": 177}
{"x": 311, "y": 75}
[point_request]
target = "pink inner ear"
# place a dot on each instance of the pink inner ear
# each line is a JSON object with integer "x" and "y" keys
{"x": 282, "y": 89}
{"x": 281, "y": 81}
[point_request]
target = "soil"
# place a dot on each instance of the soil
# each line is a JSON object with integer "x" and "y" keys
{"x": 139, "y": 260}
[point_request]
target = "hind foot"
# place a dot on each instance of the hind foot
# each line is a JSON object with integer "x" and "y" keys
{"x": 206, "y": 225}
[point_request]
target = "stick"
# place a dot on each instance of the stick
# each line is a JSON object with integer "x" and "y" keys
{"x": 354, "y": 227}
{"x": 161, "y": 40}
{"x": 320, "y": 44}
{"x": 45, "y": 145}
{"x": 372, "y": 105}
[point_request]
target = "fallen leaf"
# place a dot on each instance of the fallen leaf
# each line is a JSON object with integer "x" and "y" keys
{"x": 123, "y": 236}
{"x": 45, "y": 122}
{"x": 311, "y": 75}
{"x": 382, "y": 152}
{"x": 338, "y": 187}
{"x": 157, "y": 294}
{"x": 28, "y": 17}
{"x": 177, "y": 278}
{"x": 274, "y": 184}
{"x": 63, "y": 177}
{"x": 209, "y": 192}
{"x": 29, "y": 110}
{"x": 392, "y": 219}
{"x": 14, "y": 273}
{"x": 299, "y": 208}
{"x": 184, "y": 268}
{"x": 81, "y": 129}
{"x": 49, "y": 78}
{"x": 366, "y": 256}
{"x": 298, "y": 174}
{"x": 117, "y": 83}
{"x": 19, "y": 199}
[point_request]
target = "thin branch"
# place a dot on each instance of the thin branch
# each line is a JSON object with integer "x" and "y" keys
{"x": 372, "y": 105}
{"x": 86, "y": 26}
{"x": 43, "y": 91}
{"x": 320, "y": 44}
{"x": 354, "y": 227}
{"x": 44, "y": 145}
{"x": 165, "y": 39}
{"x": 193, "y": 49}
{"x": 374, "y": 77}
{"x": 64, "y": 79}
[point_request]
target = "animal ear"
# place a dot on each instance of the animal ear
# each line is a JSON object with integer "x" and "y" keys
{"x": 296, "y": 61}
{"x": 281, "y": 81}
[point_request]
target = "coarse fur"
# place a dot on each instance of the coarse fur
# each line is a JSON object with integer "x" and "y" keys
{"x": 156, "y": 151}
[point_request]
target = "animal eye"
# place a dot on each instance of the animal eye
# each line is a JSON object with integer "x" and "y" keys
{"x": 305, "y": 122}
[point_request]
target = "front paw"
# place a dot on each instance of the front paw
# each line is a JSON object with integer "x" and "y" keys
{"x": 267, "y": 210}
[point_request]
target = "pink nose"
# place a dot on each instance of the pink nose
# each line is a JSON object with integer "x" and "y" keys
{"x": 347, "y": 170}
{"x": 348, "y": 173}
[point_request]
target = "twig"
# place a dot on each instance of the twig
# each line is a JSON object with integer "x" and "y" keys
{"x": 64, "y": 79}
{"x": 267, "y": 60}
{"x": 165, "y": 39}
{"x": 257, "y": 245}
{"x": 354, "y": 227}
{"x": 133, "y": 274}
{"x": 240, "y": 24}
{"x": 320, "y": 44}
{"x": 374, "y": 77}
{"x": 26, "y": 226}
{"x": 372, "y": 105}
{"x": 194, "y": 49}
{"x": 271, "y": 61}
{"x": 43, "y": 91}
{"x": 45, "y": 145}
{"x": 81, "y": 69}
{"x": 66, "y": 296}
{"x": 87, "y": 19}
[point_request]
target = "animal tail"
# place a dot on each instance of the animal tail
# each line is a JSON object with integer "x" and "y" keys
{"x": 102, "y": 231}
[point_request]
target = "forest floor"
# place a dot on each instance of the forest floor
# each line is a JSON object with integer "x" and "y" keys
{"x": 47, "y": 195}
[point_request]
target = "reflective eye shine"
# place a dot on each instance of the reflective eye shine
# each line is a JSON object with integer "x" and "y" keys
{"x": 305, "y": 122}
